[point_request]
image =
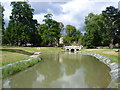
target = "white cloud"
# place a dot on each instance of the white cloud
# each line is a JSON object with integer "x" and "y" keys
{"x": 39, "y": 17}
{"x": 72, "y": 12}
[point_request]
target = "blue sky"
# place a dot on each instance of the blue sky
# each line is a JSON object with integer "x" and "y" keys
{"x": 67, "y": 11}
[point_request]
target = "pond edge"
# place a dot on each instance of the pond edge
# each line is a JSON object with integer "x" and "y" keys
{"x": 115, "y": 69}
{"x": 18, "y": 66}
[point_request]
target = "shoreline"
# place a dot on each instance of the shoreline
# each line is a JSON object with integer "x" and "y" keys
{"x": 112, "y": 65}
{"x": 18, "y": 66}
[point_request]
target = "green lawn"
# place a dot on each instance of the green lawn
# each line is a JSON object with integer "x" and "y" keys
{"x": 13, "y": 54}
{"x": 114, "y": 56}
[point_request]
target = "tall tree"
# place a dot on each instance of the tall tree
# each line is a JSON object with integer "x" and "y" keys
{"x": 1, "y": 23}
{"x": 1, "y": 17}
{"x": 112, "y": 15}
{"x": 102, "y": 29}
{"x": 72, "y": 35}
{"x": 43, "y": 31}
{"x": 22, "y": 28}
{"x": 70, "y": 30}
{"x": 94, "y": 26}
{"x": 50, "y": 31}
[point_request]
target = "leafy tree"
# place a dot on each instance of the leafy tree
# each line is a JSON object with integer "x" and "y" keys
{"x": 102, "y": 29}
{"x": 112, "y": 15}
{"x": 42, "y": 30}
{"x": 1, "y": 17}
{"x": 22, "y": 28}
{"x": 94, "y": 26}
{"x": 72, "y": 35}
{"x": 67, "y": 39}
{"x": 77, "y": 36}
{"x": 1, "y": 23}
{"x": 70, "y": 30}
{"x": 50, "y": 32}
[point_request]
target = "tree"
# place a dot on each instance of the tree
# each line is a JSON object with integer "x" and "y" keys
{"x": 22, "y": 28}
{"x": 72, "y": 35}
{"x": 102, "y": 29}
{"x": 112, "y": 15}
{"x": 42, "y": 30}
{"x": 50, "y": 31}
{"x": 1, "y": 23}
{"x": 1, "y": 17}
{"x": 70, "y": 30}
{"x": 94, "y": 26}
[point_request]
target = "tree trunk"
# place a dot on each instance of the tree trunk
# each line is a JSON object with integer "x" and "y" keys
{"x": 111, "y": 43}
{"x": 58, "y": 42}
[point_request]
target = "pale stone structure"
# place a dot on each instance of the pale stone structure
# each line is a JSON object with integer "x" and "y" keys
{"x": 73, "y": 48}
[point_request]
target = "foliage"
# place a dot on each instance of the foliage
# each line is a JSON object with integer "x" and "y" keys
{"x": 102, "y": 29}
{"x": 22, "y": 28}
{"x": 50, "y": 31}
{"x": 93, "y": 28}
{"x": 1, "y": 23}
{"x": 1, "y": 17}
{"x": 72, "y": 35}
{"x": 112, "y": 15}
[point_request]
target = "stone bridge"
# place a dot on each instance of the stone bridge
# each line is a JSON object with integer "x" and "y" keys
{"x": 73, "y": 48}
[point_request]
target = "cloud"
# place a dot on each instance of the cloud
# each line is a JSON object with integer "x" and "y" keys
{"x": 7, "y": 12}
{"x": 71, "y": 12}
{"x": 76, "y": 10}
{"x": 47, "y": 7}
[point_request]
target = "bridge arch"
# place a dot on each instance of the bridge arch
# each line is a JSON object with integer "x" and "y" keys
{"x": 73, "y": 48}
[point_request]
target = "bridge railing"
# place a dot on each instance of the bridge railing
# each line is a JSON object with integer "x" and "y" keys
{"x": 73, "y": 47}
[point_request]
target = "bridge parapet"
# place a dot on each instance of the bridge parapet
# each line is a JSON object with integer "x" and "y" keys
{"x": 73, "y": 48}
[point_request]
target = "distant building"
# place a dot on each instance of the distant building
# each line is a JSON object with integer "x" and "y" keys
{"x": 61, "y": 40}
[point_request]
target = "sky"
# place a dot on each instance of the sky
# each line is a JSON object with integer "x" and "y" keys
{"x": 71, "y": 12}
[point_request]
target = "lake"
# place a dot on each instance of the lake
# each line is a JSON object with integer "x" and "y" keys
{"x": 62, "y": 70}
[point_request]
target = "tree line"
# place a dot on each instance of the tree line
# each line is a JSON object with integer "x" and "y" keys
{"x": 23, "y": 29}
{"x": 101, "y": 29}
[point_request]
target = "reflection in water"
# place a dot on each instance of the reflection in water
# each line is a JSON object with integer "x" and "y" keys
{"x": 62, "y": 70}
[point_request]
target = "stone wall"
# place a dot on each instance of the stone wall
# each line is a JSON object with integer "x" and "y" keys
{"x": 115, "y": 68}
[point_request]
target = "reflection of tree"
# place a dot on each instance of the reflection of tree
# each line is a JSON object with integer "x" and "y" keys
{"x": 96, "y": 73}
{"x": 72, "y": 62}
{"x": 50, "y": 68}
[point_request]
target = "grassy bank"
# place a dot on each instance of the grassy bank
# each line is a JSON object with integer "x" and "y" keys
{"x": 114, "y": 56}
{"x": 13, "y": 54}
{"x": 19, "y": 56}
{"x": 11, "y": 69}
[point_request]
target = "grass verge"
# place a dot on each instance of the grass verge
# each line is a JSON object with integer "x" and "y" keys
{"x": 114, "y": 56}
{"x": 11, "y": 69}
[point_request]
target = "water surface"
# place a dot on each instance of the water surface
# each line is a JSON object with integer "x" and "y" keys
{"x": 62, "y": 70}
